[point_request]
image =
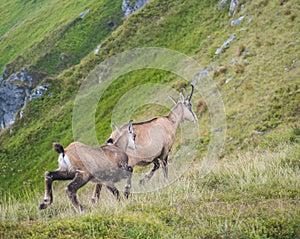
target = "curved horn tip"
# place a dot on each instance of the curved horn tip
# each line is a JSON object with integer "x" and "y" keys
{"x": 192, "y": 91}
{"x": 192, "y": 85}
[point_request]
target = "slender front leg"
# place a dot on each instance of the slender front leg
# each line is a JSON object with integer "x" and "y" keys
{"x": 149, "y": 175}
{"x": 165, "y": 167}
{"x": 49, "y": 178}
{"x": 79, "y": 180}
{"x": 128, "y": 182}
{"x": 96, "y": 193}
{"x": 114, "y": 191}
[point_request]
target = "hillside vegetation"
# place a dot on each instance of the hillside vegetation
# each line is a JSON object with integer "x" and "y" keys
{"x": 254, "y": 189}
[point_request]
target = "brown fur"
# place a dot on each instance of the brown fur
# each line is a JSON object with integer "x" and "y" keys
{"x": 155, "y": 137}
{"x": 81, "y": 163}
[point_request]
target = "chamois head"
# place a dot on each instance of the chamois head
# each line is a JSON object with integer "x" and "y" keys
{"x": 126, "y": 137}
{"x": 188, "y": 113}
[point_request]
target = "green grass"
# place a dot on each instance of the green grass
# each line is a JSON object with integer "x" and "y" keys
{"x": 51, "y": 29}
{"x": 253, "y": 191}
{"x": 249, "y": 195}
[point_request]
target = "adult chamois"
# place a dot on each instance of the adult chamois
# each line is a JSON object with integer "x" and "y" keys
{"x": 155, "y": 137}
{"x": 81, "y": 163}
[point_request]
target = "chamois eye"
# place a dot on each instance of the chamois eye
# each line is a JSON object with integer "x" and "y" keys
{"x": 110, "y": 141}
{"x": 188, "y": 105}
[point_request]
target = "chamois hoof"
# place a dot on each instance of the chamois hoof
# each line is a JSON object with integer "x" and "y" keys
{"x": 126, "y": 194}
{"x": 43, "y": 206}
{"x": 80, "y": 210}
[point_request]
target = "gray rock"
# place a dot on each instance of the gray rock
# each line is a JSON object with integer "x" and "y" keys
{"x": 15, "y": 91}
{"x": 127, "y": 9}
{"x": 11, "y": 100}
{"x": 237, "y": 21}
{"x": 233, "y": 61}
{"x": 232, "y": 8}
{"x": 222, "y": 4}
{"x": 97, "y": 49}
{"x": 83, "y": 14}
{"x": 39, "y": 91}
{"x": 258, "y": 132}
{"x": 228, "y": 80}
{"x": 225, "y": 44}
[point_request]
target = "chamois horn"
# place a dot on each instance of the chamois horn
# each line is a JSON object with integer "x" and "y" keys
{"x": 190, "y": 97}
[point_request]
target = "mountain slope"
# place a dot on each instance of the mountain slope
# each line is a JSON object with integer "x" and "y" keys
{"x": 258, "y": 77}
{"x": 31, "y": 30}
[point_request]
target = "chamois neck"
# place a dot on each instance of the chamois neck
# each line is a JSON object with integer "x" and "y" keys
{"x": 122, "y": 142}
{"x": 176, "y": 114}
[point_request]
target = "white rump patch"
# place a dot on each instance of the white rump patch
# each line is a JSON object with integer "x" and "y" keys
{"x": 64, "y": 162}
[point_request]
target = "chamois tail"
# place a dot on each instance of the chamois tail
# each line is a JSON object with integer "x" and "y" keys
{"x": 58, "y": 148}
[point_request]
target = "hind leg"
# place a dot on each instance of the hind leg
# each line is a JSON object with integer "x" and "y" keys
{"x": 49, "y": 178}
{"x": 114, "y": 191}
{"x": 79, "y": 180}
{"x": 165, "y": 167}
{"x": 149, "y": 175}
{"x": 96, "y": 193}
{"x": 128, "y": 182}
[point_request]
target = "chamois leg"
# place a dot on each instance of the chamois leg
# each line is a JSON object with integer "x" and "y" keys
{"x": 49, "y": 178}
{"x": 114, "y": 191}
{"x": 128, "y": 182}
{"x": 165, "y": 167}
{"x": 79, "y": 180}
{"x": 96, "y": 193}
{"x": 149, "y": 175}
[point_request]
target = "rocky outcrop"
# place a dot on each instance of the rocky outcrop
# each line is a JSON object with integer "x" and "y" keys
{"x": 222, "y": 4}
{"x": 225, "y": 44}
{"x": 130, "y": 6}
{"x": 15, "y": 91}
{"x": 12, "y": 98}
{"x": 233, "y": 8}
{"x": 83, "y": 14}
{"x": 237, "y": 21}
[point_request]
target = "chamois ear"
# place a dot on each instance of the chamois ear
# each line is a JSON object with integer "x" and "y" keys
{"x": 58, "y": 148}
{"x": 116, "y": 126}
{"x": 130, "y": 130}
{"x": 173, "y": 100}
{"x": 182, "y": 97}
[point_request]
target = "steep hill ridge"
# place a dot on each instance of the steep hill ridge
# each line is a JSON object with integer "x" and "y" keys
{"x": 53, "y": 37}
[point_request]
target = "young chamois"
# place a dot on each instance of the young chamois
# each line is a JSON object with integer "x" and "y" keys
{"x": 154, "y": 138}
{"x": 81, "y": 163}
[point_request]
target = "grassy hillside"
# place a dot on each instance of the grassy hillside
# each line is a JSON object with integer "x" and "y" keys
{"x": 249, "y": 195}
{"x": 254, "y": 189}
{"x": 37, "y": 34}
